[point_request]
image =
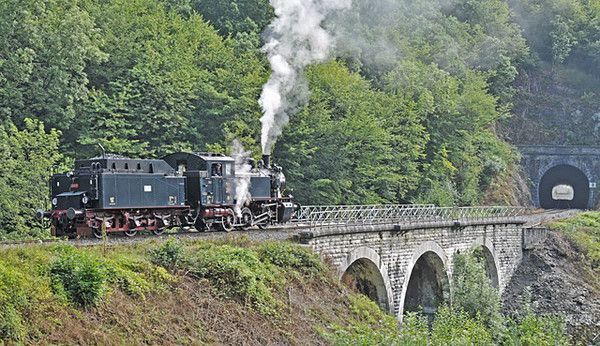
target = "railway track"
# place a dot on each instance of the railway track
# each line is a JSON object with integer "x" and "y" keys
{"x": 534, "y": 218}
{"x": 272, "y": 233}
{"x": 545, "y": 216}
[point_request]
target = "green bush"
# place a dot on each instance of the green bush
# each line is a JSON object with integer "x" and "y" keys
{"x": 289, "y": 256}
{"x": 368, "y": 325}
{"x": 532, "y": 330}
{"x": 13, "y": 299}
{"x": 136, "y": 277}
{"x": 456, "y": 327}
{"x": 80, "y": 276}
{"x": 237, "y": 273}
{"x": 473, "y": 292}
{"x": 170, "y": 254}
{"x": 131, "y": 282}
{"x": 27, "y": 154}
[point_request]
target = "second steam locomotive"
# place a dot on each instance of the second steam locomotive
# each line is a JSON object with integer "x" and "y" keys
{"x": 116, "y": 194}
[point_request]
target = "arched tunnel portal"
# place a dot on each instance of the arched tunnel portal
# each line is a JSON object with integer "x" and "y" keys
{"x": 564, "y": 175}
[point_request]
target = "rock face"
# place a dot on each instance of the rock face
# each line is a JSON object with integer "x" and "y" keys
{"x": 560, "y": 282}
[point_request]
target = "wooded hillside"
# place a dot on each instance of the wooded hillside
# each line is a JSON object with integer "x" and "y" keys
{"x": 416, "y": 104}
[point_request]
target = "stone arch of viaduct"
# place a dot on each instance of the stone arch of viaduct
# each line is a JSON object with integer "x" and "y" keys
{"x": 407, "y": 267}
{"x": 548, "y": 166}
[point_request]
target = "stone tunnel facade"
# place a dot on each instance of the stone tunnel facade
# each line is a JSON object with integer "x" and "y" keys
{"x": 408, "y": 267}
{"x": 551, "y": 165}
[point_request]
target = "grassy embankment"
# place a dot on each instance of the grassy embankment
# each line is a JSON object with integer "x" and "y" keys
{"x": 176, "y": 293}
{"x": 584, "y": 231}
{"x": 198, "y": 292}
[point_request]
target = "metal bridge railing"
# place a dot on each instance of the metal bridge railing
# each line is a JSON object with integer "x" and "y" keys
{"x": 330, "y": 215}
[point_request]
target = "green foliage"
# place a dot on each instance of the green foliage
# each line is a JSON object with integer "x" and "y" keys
{"x": 233, "y": 17}
{"x": 538, "y": 330}
{"x": 240, "y": 270}
{"x": 457, "y": 115}
{"x": 456, "y": 327}
{"x": 172, "y": 81}
{"x": 530, "y": 329}
{"x": 473, "y": 292}
{"x": 170, "y": 254}
{"x": 238, "y": 274}
{"x": 27, "y": 157}
{"x": 13, "y": 299}
{"x": 44, "y": 48}
{"x": 137, "y": 277}
{"x": 23, "y": 286}
{"x": 80, "y": 276}
{"x": 345, "y": 145}
{"x": 291, "y": 257}
{"x": 368, "y": 326}
{"x": 40, "y": 285}
{"x": 562, "y": 108}
{"x": 584, "y": 230}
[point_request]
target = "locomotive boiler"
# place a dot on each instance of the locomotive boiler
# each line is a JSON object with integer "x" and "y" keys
{"x": 116, "y": 194}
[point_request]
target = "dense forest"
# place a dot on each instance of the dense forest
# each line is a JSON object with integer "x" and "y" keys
{"x": 418, "y": 103}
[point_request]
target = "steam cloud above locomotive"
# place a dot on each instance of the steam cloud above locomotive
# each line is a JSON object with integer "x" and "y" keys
{"x": 294, "y": 40}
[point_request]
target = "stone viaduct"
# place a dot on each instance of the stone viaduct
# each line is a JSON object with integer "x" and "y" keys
{"x": 406, "y": 266}
{"x": 548, "y": 166}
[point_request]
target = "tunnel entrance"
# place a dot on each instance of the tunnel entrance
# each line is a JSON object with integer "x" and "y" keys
{"x": 559, "y": 177}
{"x": 364, "y": 276}
{"x": 428, "y": 285}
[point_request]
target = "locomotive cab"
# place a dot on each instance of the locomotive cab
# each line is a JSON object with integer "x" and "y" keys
{"x": 211, "y": 191}
{"x": 210, "y": 177}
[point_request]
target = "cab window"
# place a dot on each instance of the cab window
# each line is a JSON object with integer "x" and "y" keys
{"x": 217, "y": 170}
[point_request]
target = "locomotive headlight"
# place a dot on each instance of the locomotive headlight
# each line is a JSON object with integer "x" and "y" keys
{"x": 54, "y": 201}
{"x": 85, "y": 199}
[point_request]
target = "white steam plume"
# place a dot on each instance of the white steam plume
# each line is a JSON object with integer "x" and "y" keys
{"x": 242, "y": 172}
{"x": 294, "y": 40}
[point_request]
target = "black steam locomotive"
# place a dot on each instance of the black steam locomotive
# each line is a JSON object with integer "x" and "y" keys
{"x": 117, "y": 194}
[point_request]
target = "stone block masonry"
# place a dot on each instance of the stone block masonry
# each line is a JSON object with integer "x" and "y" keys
{"x": 408, "y": 267}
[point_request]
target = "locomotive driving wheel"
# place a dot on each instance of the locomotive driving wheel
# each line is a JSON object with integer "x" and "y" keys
{"x": 162, "y": 223}
{"x": 229, "y": 221}
{"x": 102, "y": 224}
{"x": 97, "y": 232}
{"x": 246, "y": 219}
{"x": 130, "y": 233}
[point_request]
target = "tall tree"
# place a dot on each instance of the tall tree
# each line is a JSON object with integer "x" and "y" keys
{"x": 27, "y": 156}
{"x": 44, "y": 49}
{"x": 170, "y": 82}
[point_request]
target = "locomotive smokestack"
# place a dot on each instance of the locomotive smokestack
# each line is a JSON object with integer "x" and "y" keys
{"x": 267, "y": 160}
